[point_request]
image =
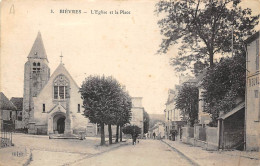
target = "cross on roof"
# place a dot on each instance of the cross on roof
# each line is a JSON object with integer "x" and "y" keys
{"x": 61, "y": 57}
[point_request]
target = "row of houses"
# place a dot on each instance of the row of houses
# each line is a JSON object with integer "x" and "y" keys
{"x": 11, "y": 112}
{"x": 237, "y": 129}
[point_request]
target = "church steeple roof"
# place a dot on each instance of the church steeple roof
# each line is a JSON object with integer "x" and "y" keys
{"x": 38, "y": 50}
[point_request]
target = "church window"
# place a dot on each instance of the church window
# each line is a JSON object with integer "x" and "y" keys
{"x": 55, "y": 92}
{"x": 78, "y": 107}
{"x": 36, "y": 67}
{"x": 256, "y": 94}
{"x": 61, "y": 88}
{"x": 43, "y": 107}
{"x": 61, "y": 92}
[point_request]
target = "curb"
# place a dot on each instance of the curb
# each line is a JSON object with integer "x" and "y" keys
{"x": 29, "y": 159}
{"x": 182, "y": 154}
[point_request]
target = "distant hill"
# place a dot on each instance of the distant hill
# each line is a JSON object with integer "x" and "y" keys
{"x": 154, "y": 118}
{"x": 157, "y": 116}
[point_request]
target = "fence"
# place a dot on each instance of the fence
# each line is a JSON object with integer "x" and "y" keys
{"x": 6, "y": 133}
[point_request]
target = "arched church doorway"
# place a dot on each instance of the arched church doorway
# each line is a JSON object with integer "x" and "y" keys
{"x": 59, "y": 123}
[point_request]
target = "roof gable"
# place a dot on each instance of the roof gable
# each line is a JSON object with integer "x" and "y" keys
{"x": 60, "y": 70}
{"x": 5, "y": 104}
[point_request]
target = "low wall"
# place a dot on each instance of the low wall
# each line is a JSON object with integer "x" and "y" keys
{"x": 187, "y": 135}
{"x": 191, "y": 132}
{"x": 200, "y": 133}
{"x": 203, "y": 137}
{"x": 184, "y": 132}
{"x": 212, "y": 138}
{"x": 41, "y": 129}
{"x": 18, "y": 124}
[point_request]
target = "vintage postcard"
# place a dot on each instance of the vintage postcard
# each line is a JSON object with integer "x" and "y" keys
{"x": 129, "y": 82}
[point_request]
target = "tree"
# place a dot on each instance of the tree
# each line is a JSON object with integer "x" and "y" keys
{"x": 223, "y": 85}
{"x": 146, "y": 122}
{"x": 123, "y": 114}
{"x": 203, "y": 28}
{"x": 133, "y": 130}
{"x": 101, "y": 101}
{"x": 187, "y": 101}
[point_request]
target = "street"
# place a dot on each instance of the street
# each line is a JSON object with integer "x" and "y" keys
{"x": 74, "y": 152}
{"x": 54, "y": 152}
{"x": 147, "y": 152}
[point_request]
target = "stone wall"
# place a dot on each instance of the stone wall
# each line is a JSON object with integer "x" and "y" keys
{"x": 200, "y": 133}
{"x": 212, "y": 138}
{"x": 188, "y": 135}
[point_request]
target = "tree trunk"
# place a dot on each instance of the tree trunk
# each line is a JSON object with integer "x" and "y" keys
{"x": 117, "y": 132}
{"x": 211, "y": 58}
{"x": 120, "y": 133}
{"x": 110, "y": 133}
{"x": 102, "y": 134}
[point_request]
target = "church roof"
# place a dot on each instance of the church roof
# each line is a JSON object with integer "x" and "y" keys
{"x": 38, "y": 50}
{"x": 61, "y": 69}
{"x": 5, "y": 104}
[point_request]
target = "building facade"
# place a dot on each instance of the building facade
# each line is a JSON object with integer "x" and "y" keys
{"x": 18, "y": 102}
{"x": 137, "y": 113}
{"x": 158, "y": 130}
{"x": 173, "y": 117}
{"x": 51, "y": 104}
{"x": 203, "y": 117}
{"x": 7, "y": 113}
{"x": 252, "y": 94}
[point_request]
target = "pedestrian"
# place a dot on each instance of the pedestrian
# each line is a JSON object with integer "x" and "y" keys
{"x": 134, "y": 139}
{"x": 180, "y": 133}
{"x": 154, "y": 135}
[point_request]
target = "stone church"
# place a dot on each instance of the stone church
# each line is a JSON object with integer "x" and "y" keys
{"x": 51, "y": 103}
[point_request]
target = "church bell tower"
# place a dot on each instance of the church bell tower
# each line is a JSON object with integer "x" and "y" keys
{"x": 36, "y": 75}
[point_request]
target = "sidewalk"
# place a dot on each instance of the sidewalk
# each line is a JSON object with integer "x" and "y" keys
{"x": 15, "y": 156}
{"x": 217, "y": 158}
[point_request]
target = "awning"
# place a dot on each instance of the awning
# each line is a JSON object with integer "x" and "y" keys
{"x": 237, "y": 108}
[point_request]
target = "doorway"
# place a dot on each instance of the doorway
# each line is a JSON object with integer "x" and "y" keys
{"x": 61, "y": 125}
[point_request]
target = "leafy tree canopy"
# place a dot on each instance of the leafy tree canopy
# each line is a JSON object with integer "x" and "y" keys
{"x": 132, "y": 130}
{"x": 224, "y": 84}
{"x": 203, "y": 28}
{"x": 103, "y": 99}
{"x": 187, "y": 101}
{"x": 124, "y": 113}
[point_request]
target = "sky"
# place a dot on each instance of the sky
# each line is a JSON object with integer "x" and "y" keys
{"x": 121, "y": 45}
